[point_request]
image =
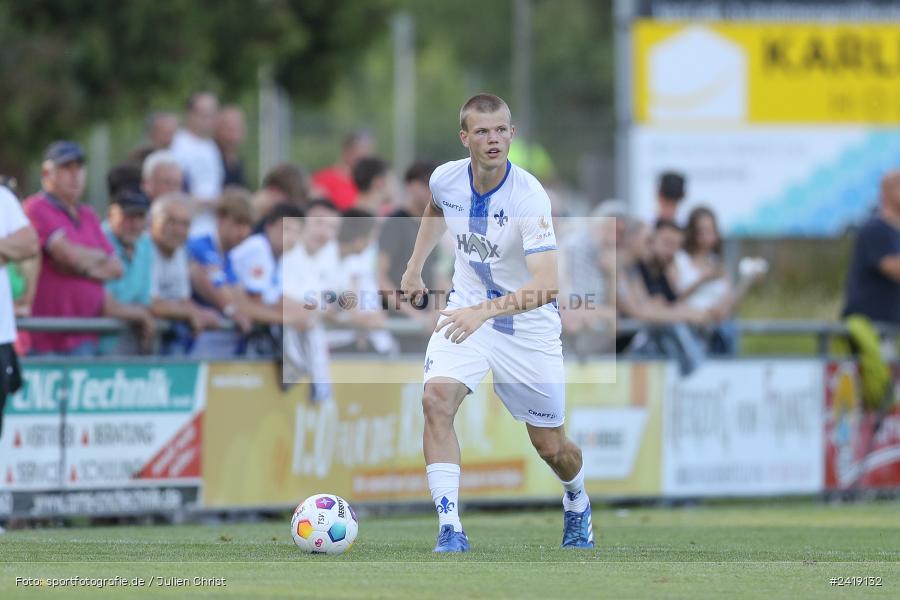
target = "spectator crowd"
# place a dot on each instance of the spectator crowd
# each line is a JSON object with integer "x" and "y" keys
{"x": 670, "y": 278}
{"x": 196, "y": 262}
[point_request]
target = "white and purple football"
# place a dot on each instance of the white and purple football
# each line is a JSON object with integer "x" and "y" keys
{"x": 324, "y": 524}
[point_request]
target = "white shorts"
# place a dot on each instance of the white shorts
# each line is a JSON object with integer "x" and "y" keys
{"x": 528, "y": 374}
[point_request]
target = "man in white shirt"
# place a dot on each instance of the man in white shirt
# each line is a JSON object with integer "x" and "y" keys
{"x": 200, "y": 158}
{"x": 18, "y": 241}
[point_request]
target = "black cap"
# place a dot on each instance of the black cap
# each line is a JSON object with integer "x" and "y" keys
{"x": 64, "y": 152}
{"x": 132, "y": 202}
{"x": 671, "y": 185}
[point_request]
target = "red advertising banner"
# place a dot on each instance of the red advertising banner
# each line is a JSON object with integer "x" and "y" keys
{"x": 862, "y": 449}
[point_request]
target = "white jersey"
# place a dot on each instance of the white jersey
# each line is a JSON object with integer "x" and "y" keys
{"x": 308, "y": 280}
{"x": 493, "y": 233}
{"x": 201, "y": 163}
{"x": 257, "y": 269}
{"x": 12, "y": 219}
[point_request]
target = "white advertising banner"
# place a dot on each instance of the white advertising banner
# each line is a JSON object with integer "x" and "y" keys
{"x": 744, "y": 428}
{"x": 767, "y": 180}
{"x": 609, "y": 438}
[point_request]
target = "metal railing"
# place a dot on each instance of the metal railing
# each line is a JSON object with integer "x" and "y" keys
{"x": 824, "y": 331}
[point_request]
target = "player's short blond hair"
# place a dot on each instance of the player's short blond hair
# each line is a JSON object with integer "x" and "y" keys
{"x": 482, "y": 103}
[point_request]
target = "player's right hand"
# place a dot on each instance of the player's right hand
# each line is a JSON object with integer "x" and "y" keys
{"x": 412, "y": 286}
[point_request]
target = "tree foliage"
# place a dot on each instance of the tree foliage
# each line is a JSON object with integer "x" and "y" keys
{"x": 466, "y": 46}
{"x": 68, "y": 63}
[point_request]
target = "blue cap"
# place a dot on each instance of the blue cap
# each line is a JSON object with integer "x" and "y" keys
{"x": 64, "y": 152}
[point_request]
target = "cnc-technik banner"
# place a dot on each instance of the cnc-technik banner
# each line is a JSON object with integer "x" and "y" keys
{"x": 263, "y": 446}
{"x": 101, "y": 438}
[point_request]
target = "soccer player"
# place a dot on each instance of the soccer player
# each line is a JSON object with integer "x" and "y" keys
{"x": 501, "y": 315}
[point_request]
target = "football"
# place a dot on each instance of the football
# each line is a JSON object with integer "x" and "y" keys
{"x": 324, "y": 524}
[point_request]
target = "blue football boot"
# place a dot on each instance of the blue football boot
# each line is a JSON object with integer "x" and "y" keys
{"x": 451, "y": 541}
{"x": 578, "y": 531}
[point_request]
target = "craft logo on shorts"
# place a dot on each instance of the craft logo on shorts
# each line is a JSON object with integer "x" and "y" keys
{"x": 541, "y": 414}
{"x": 478, "y": 244}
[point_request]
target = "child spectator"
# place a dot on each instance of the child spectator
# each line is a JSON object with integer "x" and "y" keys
{"x": 213, "y": 279}
{"x": 309, "y": 294}
{"x": 358, "y": 281}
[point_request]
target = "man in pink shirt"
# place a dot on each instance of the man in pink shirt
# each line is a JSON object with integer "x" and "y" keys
{"x": 76, "y": 257}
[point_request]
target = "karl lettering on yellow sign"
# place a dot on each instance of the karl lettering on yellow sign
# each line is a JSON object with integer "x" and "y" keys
{"x": 766, "y": 73}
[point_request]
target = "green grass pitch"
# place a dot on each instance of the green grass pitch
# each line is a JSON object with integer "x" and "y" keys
{"x": 754, "y": 550}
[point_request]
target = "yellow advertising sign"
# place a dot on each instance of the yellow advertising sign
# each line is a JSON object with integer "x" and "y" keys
{"x": 759, "y": 72}
{"x": 265, "y": 447}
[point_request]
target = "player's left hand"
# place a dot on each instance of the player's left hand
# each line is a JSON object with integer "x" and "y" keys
{"x": 462, "y": 322}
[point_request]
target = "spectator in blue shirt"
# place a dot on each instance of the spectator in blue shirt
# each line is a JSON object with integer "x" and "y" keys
{"x": 128, "y": 297}
{"x": 213, "y": 280}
